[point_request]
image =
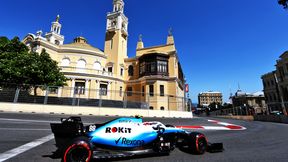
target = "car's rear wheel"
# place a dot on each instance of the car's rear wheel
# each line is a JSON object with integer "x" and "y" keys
{"x": 78, "y": 151}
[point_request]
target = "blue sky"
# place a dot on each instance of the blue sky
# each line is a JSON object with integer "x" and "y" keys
{"x": 220, "y": 42}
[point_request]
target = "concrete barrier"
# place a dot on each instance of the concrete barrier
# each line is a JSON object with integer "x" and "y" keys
{"x": 272, "y": 118}
{"x": 96, "y": 111}
{"x": 248, "y": 118}
{"x": 264, "y": 118}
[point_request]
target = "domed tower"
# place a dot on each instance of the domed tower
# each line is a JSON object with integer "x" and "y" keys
{"x": 116, "y": 38}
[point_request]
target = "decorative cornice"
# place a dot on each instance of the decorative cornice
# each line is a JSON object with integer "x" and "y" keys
{"x": 63, "y": 49}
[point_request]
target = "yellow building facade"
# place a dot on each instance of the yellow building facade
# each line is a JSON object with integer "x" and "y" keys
{"x": 153, "y": 77}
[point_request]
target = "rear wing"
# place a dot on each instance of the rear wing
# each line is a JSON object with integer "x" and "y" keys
{"x": 68, "y": 129}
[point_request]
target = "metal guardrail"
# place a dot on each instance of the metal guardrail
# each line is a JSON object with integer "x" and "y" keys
{"x": 271, "y": 109}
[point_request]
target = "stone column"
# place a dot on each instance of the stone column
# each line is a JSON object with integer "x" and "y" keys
{"x": 108, "y": 90}
{"x": 97, "y": 87}
{"x": 87, "y": 87}
{"x": 73, "y": 87}
{"x": 60, "y": 91}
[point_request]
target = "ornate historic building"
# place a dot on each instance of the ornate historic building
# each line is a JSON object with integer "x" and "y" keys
{"x": 254, "y": 102}
{"x": 275, "y": 86}
{"x": 153, "y": 76}
{"x": 206, "y": 98}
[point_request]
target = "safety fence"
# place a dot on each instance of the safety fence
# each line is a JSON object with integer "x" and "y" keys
{"x": 79, "y": 96}
{"x": 276, "y": 108}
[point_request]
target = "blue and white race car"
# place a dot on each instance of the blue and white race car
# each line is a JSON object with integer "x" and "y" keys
{"x": 124, "y": 137}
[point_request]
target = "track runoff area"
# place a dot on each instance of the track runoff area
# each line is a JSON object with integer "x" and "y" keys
{"x": 14, "y": 152}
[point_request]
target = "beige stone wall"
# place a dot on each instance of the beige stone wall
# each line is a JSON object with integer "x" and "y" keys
{"x": 116, "y": 50}
{"x": 173, "y": 66}
{"x": 170, "y": 101}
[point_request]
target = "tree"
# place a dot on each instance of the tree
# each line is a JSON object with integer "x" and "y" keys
{"x": 13, "y": 60}
{"x": 21, "y": 67}
{"x": 284, "y": 3}
{"x": 44, "y": 71}
{"x": 215, "y": 106}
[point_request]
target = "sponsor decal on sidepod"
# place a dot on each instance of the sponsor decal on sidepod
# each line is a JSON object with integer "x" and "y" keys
{"x": 117, "y": 130}
{"x": 125, "y": 141}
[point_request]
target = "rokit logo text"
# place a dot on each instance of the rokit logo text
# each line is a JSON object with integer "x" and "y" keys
{"x": 118, "y": 130}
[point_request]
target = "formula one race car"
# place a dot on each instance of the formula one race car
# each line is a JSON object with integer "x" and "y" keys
{"x": 124, "y": 137}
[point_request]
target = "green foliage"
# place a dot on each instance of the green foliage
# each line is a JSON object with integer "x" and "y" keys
{"x": 20, "y": 67}
{"x": 284, "y": 3}
{"x": 227, "y": 106}
{"x": 13, "y": 56}
{"x": 215, "y": 106}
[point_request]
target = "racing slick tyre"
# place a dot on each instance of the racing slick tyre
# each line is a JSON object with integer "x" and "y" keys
{"x": 197, "y": 143}
{"x": 193, "y": 143}
{"x": 78, "y": 151}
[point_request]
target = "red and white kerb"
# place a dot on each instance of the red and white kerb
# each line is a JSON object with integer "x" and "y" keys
{"x": 225, "y": 126}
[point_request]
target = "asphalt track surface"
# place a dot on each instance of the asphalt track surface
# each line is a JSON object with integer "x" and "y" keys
{"x": 263, "y": 142}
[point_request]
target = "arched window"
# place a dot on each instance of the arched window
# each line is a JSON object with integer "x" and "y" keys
{"x": 97, "y": 66}
{"x": 65, "y": 62}
{"x": 130, "y": 70}
{"x": 151, "y": 107}
{"x": 57, "y": 42}
{"x": 162, "y": 108}
{"x": 81, "y": 63}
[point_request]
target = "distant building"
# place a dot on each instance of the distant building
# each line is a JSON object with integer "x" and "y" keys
{"x": 275, "y": 85}
{"x": 271, "y": 91}
{"x": 252, "y": 101}
{"x": 206, "y": 98}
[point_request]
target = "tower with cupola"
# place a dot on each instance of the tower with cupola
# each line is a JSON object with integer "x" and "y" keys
{"x": 54, "y": 36}
{"x": 116, "y": 39}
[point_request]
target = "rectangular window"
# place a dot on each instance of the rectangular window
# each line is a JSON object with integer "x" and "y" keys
{"x": 103, "y": 89}
{"x": 151, "y": 90}
{"x": 110, "y": 69}
{"x": 79, "y": 88}
{"x": 153, "y": 67}
{"x": 129, "y": 91}
{"x": 162, "y": 66}
{"x": 120, "y": 93}
{"x": 161, "y": 90}
{"x": 282, "y": 74}
{"x": 143, "y": 90}
{"x": 121, "y": 71}
{"x": 53, "y": 90}
{"x": 111, "y": 45}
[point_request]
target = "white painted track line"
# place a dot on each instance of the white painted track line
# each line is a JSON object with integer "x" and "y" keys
{"x": 24, "y": 129}
{"x": 16, "y": 151}
{"x": 25, "y": 120}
